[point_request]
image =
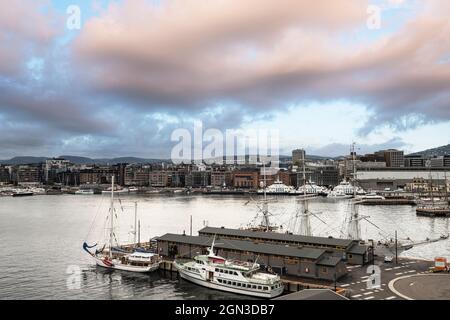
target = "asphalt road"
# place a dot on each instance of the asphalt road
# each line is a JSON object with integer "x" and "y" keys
{"x": 423, "y": 287}
{"x": 356, "y": 281}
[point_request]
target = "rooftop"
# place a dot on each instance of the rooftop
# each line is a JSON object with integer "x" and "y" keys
{"x": 242, "y": 245}
{"x": 277, "y": 236}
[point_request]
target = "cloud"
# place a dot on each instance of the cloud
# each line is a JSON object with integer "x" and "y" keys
{"x": 267, "y": 55}
{"x": 26, "y": 28}
{"x": 138, "y": 70}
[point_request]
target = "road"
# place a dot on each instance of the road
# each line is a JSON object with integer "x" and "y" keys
{"x": 423, "y": 287}
{"x": 356, "y": 281}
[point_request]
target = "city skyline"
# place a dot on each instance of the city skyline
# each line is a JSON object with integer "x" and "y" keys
{"x": 137, "y": 70}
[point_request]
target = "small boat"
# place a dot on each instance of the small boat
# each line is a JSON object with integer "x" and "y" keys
{"x": 239, "y": 277}
{"x": 133, "y": 189}
{"x": 111, "y": 256}
{"x": 116, "y": 190}
{"x": 84, "y": 192}
{"x": 371, "y": 196}
{"x": 22, "y": 193}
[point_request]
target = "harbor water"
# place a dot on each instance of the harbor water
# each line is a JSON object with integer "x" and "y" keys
{"x": 41, "y": 239}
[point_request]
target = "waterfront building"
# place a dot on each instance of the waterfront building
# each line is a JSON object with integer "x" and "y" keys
{"x": 247, "y": 179}
{"x": 221, "y": 178}
{"x": 53, "y": 168}
{"x": 393, "y": 158}
{"x": 159, "y": 179}
{"x": 137, "y": 175}
{"x": 5, "y": 175}
{"x": 417, "y": 161}
{"x": 97, "y": 175}
{"x": 394, "y": 178}
{"x": 31, "y": 174}
{"x": 440, "y": 162}
{"x": 353, "y": 252}
{"x": 198, "y": 179}
{"x": 298, "y": 156}
{"x": 288, "y": 178}
{"x": 321, "y": 175}
{"x": 306, "y": 262}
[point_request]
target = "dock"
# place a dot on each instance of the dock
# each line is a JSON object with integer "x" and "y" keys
{"x": 291, "y": 284}
{"x": 387, "y": 202}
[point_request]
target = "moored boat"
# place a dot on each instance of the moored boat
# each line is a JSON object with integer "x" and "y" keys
{"x": 215, "y": 272}
{"x": 112, "y": 257}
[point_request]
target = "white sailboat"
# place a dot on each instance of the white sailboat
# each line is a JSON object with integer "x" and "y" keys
{"x": 239, "y": 277}
{"x": 116, "y": 259}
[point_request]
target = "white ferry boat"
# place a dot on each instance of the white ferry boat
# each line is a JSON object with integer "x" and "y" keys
{"x": 345, "y": 190}
{"x": 216, "y": 272}
{"x": 311, "y": 188}
{"x": 279, "y": 188}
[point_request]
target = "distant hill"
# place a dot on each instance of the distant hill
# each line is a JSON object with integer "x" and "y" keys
{"x": 23, "y": 160}
{"x": 81, "y": 160}
{"x": 439, "y": 151}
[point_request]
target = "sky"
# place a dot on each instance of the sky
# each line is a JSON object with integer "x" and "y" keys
{"x": 323, "y": 73}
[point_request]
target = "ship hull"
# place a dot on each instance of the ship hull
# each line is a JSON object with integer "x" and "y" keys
{"x": 197, "y": 279}
{"x": 126, "y": 267}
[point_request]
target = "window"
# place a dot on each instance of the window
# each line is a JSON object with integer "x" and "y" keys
{"x": 234, "y": 283}
{"x": 324, "y": 270}
{"x": 253, "y": 287}
{"x": 259, "y": 288}
{"x": 235, "y": 273}
{"x": 238, "y": 284}
{"x": 265, "y": 288}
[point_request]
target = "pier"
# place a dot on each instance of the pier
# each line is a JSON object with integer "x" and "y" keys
{"x": 387, "y": 202}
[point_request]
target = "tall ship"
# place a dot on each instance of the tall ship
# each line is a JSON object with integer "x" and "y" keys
{"x": 434, "y": 207}
{"x": 215, "y": 272}
{"x": 111, "y": 256}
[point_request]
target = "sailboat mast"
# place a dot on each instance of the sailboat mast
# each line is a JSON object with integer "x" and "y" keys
{"x": 111, "y": 218}
{"x": 135, "y": 221}
{"x": 305, "y": 227}
{"x": 265, "y": 206}
{"x": 354, "y": 229}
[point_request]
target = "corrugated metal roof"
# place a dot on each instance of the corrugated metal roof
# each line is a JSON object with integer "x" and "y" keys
{"x": 242, "y": 245}
{"x": 278, "y": 236}
{"x": 357, "y": 249}
{"x": 329, "y": 261}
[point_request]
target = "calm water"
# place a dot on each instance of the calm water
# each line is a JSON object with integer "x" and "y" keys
{"x": 41, "y": 238}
